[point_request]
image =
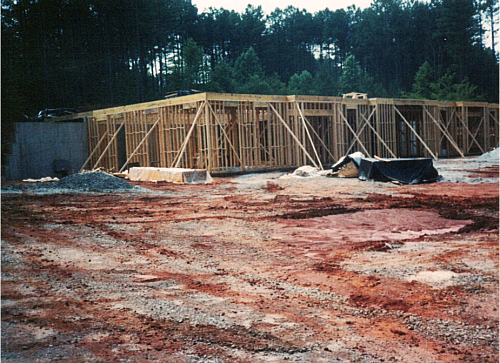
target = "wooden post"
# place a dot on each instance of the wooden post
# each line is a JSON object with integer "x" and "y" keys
{"x": 309, "y": 135}
{"x": 293, "y": 135}
{"x": 140, "y": 144}
{"x": 354, "y": 133}
{"x": 319, "y": 138}
{"x": 445, "y": 133}
{"x": 93, "y": 151}
{"x": 161, "y": 137}
{"x": 367, "y": 122}
{"x": 224, "y": 133}
{"x": 208, "y": 135}
{"x": 109, "y": 143}
{"x": 177, "y": 159}
{"x": 415, "y": 133}
{"x": 353, "y": 142}
{"x": 474, "y": 137}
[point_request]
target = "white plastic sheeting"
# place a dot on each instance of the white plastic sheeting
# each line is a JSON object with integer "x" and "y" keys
{"x": 306, "y": 171}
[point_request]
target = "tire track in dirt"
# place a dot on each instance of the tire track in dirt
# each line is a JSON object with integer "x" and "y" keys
{"x": 176, "y": 278}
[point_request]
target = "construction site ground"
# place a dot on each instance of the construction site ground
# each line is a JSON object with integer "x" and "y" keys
{"x": 254, "y": 268}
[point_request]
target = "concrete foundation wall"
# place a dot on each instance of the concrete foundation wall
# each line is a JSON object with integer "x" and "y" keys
{"x": 42, "y": 149}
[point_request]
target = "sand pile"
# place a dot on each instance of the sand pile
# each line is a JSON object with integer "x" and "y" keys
{"x": 491, "y": 156}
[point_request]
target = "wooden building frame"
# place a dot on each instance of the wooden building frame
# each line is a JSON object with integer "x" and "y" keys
{"x": 226, "y": 133}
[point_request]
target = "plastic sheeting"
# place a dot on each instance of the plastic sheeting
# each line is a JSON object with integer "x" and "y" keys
{"x": 354, "y": 157}
{"x": 173, "y": 175}
{"x": 405, "y": 171}
{"x": 306, "y": 171}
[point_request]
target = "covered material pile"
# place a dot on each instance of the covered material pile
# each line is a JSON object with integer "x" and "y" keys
{"x": 348, "y": 165}
{"x": 404, "y": 171}
{"x": 173, "y": 175}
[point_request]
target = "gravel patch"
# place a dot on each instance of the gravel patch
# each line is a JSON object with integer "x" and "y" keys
{"x": 453, "y": 332}
{"x": 94, "y": 181}
{"x": 77, "y": 183}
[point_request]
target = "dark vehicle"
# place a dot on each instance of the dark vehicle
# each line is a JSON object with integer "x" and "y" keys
{"x": 51, "y": 113}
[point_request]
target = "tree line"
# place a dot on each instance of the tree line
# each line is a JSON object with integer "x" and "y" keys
{"x": 90, "y": 54}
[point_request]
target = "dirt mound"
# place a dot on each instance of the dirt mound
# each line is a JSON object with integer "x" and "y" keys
{"x": 492, "y": 156}
{"x": 94, "y": 181}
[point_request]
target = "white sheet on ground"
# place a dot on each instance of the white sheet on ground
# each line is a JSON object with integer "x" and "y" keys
{"x": 306, "y": 171}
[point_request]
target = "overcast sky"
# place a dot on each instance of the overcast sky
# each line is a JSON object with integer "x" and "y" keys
{"x": 312, "y": 6}
{"x": 268, "y": 6}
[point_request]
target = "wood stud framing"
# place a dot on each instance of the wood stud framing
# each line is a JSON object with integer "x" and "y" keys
{"x": 227, "y": 133}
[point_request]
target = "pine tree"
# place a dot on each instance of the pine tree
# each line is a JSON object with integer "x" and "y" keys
{"x": 301, "y": 84}
{"x": 423, "y": 88}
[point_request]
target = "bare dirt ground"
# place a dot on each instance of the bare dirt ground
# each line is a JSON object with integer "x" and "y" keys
{"x": 253, "y": 269}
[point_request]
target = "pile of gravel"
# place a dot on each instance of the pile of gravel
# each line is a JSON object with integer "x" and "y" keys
{"x": 87, "y": 182}
{"x": 93, "y": 182}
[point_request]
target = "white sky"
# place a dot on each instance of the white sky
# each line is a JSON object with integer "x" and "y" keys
{"x": 311, "y": 6}
{"x": 268, "y": 6}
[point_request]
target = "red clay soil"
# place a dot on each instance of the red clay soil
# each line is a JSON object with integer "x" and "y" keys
{"x": 289, "y": 271}
{"x": 491, "y": 171}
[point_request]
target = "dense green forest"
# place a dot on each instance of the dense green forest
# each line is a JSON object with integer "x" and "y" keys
{"x": 89, "y": 54}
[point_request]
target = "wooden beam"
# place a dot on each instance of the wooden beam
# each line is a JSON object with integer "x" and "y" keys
{"x": 293, "y": 135}
{"x": 354, "y": 133}
{"x": 140, "y": 144}
{"x": 450, "y": 118}
{"x": 353, "y": 142}
{"x": 109, "y": 143}
{"x": 445, "y": 132}
{"x": 471, "y": 135}
{"x": 309, "y": 135}
{"x": 415, "y": 133}
{"x": 93, "y": 151}
{"x": 319, "y": 138}
{"x": 367, "y": 122}
{"x": 224, "y": 133}
{"x": 177, "y": 159}
{"x": 208, "y": 135}
{"x": 474, "y": 136}
{"x": 493, "y": 117}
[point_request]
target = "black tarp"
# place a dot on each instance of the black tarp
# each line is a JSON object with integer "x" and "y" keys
{"x": 405, "y": 171}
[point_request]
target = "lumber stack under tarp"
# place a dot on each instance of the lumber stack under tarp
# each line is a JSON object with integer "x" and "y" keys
{"x": 404, "y": 171}
{"x": 173, "y": 175}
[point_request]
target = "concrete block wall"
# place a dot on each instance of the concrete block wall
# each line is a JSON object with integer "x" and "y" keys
{"x": 40, "y": 148}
